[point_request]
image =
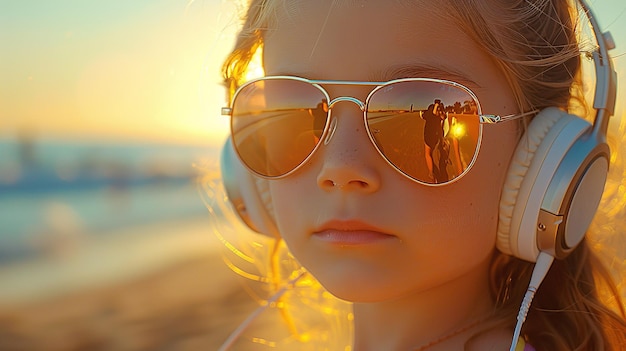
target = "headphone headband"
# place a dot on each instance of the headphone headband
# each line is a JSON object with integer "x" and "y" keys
{"x": 606, "y": 77}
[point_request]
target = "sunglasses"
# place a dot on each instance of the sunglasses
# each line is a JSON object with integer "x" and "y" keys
{"x": 429, "y": 130}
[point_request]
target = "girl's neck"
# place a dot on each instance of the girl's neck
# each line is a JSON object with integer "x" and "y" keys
{"x": 443, "y": 316}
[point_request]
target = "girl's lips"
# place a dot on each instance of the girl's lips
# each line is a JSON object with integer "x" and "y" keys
{"x": 351, "y": 237}
{"x": 350, "y": 233}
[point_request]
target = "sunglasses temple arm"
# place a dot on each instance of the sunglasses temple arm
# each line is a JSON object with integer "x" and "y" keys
{"x": 490, "y": 119}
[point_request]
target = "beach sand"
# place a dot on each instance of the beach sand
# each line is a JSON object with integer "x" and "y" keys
{"x": 140, "y": 289}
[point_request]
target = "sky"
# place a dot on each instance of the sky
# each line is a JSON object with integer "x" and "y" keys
{"x": 137, "y": 70}
{"x": 121, "y": 70}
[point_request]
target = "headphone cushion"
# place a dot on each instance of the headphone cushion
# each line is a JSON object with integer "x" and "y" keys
{"x": 263, "y": 189}
{"x": 522, "y": 159}
{"x": 248, "y": 193}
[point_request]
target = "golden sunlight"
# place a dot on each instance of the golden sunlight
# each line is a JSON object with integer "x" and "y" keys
{"x": 255, "y": 67}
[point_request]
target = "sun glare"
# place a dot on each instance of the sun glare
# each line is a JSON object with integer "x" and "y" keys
{"x": 458, "y": 130}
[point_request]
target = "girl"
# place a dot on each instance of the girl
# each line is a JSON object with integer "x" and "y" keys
{"x": 426, "y": 264}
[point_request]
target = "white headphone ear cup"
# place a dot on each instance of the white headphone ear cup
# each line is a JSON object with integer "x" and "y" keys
{"x": 248, "y": 193}
{"x": 522, "y": 157}
{"x": 540, "y": 151}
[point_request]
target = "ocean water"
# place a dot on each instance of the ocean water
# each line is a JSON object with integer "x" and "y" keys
{"x": 55, "y": 191}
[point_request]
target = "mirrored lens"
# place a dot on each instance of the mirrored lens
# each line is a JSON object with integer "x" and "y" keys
{"x": 427, "y": 130}
{"x": 277, "y": 123}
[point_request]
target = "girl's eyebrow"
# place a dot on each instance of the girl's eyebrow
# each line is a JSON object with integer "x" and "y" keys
{"x": 424, "y": 71}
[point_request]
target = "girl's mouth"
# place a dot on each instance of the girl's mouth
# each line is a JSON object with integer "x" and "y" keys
{"x": 352, "y": 232}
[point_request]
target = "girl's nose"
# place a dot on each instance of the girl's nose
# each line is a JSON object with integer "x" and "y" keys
{"x": 349, "y": 159}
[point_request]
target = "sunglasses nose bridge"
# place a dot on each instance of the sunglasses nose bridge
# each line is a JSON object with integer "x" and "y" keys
{"x": 333, "y": 120}
{"x": 354, "y": 100}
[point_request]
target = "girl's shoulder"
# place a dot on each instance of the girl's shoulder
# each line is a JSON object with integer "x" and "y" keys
{"x": 496, "y": 339}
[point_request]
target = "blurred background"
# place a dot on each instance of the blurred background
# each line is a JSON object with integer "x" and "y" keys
{"x": 109, "y": 114}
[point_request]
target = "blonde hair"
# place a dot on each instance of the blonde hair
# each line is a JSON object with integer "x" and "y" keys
{"x": 535, "y": 45}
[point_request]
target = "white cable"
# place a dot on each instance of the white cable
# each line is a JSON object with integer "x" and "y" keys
{"x": 246, "y": 323}
{"x": 544, "y": 262}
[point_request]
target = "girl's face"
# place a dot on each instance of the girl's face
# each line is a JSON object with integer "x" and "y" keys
{"x": 364, "y": 230}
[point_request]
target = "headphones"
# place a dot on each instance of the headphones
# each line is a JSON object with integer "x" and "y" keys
{"x": 554, "y": 182}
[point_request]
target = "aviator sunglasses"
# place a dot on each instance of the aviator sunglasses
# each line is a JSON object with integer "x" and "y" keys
{"x": 429, "y": 130}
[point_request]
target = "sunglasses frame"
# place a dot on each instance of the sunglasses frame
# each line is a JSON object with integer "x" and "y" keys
{"x": 327, "y": 132}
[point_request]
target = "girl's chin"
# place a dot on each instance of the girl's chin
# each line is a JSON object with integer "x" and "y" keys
{"x": 356, "y": 289}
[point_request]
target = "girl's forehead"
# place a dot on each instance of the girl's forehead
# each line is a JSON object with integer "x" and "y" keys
{"x": 388, "y": 39}
{"x": 292, "y": 12}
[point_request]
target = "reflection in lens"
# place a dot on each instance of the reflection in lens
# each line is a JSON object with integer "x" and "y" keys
{"x": 427, "y": 130}
{"x": 277, "y": 123}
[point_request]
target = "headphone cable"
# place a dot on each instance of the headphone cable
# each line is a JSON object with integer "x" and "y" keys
{"x": 544, "y": 262}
